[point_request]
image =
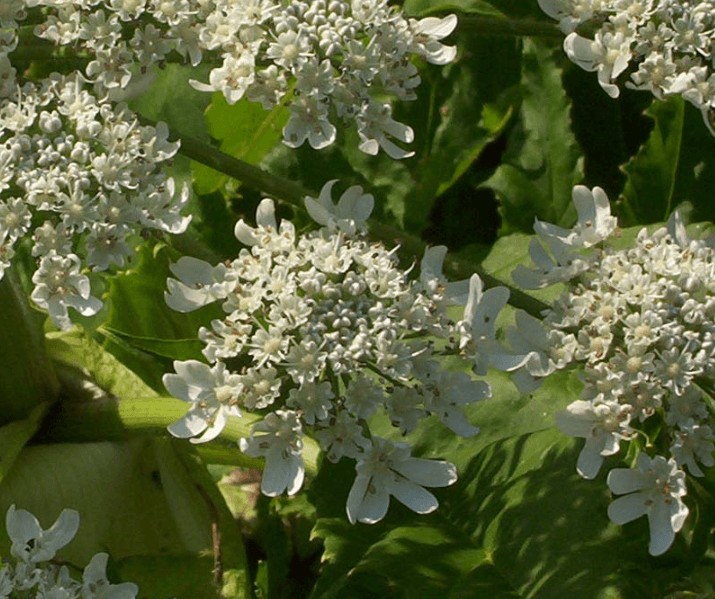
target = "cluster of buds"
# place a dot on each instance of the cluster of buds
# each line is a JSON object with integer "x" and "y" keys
{"x": 329, "y": 61}
{"x": 322, "y": 333}
{"x": 662, "y": 46}
{"x": 639, "y": 323}
{"x": 79, "y": 176}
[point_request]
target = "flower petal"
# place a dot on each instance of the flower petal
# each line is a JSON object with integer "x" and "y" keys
{"x": 415, "y": 497}
{"x": 628, "y": 508}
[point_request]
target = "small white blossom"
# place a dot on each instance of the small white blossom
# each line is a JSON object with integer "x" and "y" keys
{"x": 386, "y": 470}
{"x": 655, "y": 489}
{"x": 278, "y": 438}
{"x": 213, "y": 394}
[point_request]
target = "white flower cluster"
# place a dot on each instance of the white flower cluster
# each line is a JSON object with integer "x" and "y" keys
{"x": 665, "y": 46}
{"x": 328, "y": 60}
{"x": 83, "y": 178}
{"x": 321, "y": 332}
{"x": 640, "y": 321}
{"x": 32, "y": 573}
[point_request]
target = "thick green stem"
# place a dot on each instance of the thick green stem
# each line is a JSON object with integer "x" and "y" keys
{"x": 27, "y": 377}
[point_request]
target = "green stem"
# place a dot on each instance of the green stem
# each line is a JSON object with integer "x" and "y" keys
{"x": 294, "y": 193}
{"x": 27, "y": 377}
{"x": 489, "y": 26}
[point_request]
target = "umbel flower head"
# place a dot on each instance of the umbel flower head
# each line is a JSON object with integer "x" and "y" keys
{"x": 321, "y": 332}
{"x": 30, "y": 571}
{"x": 79, "y": 177}
{"x": 329, "y": 61}
{"x": 662, "y": 46}
{"x": 639, "y": 322}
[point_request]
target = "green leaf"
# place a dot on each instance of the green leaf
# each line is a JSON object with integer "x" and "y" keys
{"x": 696, "y": 167}
{"x": 176, "y": 349}
{"x": 119, "y": 491}
{"x": 171, "y": 99}
{"x": 27, "y": 378}
{"x": 512, "y": 8}
{"x": 245, "y": 131}
{"x": 652, "y": 172}
{"x": 421, "y": 8}
{"x": 15, "y": 435}
{"x": 75, "y": 348}
{"x": 542, "y": 161}
{"x": 460, "y": 110}
{"x": 519, "y": 522}
{"x": 140, "y": 502}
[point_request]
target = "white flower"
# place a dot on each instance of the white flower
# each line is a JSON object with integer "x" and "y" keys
{"x": 456, "y": 292}
{"x": 96, "y": 586}
{"x": 603, "y": 423}
{"x": 449, "y": 392}
{"x": 278, "y": 438}
{"x": 213, "y": 393}
{"x": 560, "y": 263}
{"x": 266, "y": 225}
{"x": 388, "y": 469}
{"x": 479, "y": 323}
{"x": 655, "y": 489}
{"x": 595, "y": 222}
{"x": 59, "y": 285}
{"x": 349, "y": 214}
{"x": 694, "y": 442}
{"x": 199, "y": 284}
{"x": 32, "y": 544}
{"x": 427, "y": 33}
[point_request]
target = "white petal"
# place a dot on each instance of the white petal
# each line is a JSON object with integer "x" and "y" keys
{"x": 21, "y": 526}
{"x": 374, "y": 506}
{"x": 281, "y": 473}
{"x": 214, "y": 430}
{"x": 185, "y": 299}
{"x": 192, "y": 271}
{"x": 266, "y": 214}
{"x": 590, "y": 459}
{"x": 628, "y": 508}
{"x": 437, "y": 28}
{"x": 244, "y": 233}
{"x": 661, "y": 530}
{"x": 63, "y": 530}
{"x": 197, "y": 375}
{"x": 417, "y": 498}
{"x": 625, "y": 480}
{"x": 192, "y": 424}
{"x": 356, "y": 496}
{"x": 580, "y": 51}
{"x": 430, "y": 473}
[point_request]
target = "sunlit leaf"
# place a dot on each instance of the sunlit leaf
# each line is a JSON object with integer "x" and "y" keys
{"x": 543, "y": 161}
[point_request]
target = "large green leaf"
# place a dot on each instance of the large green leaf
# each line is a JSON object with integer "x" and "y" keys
{"x": 675, "y": 164}
{"x": 135, "y": 499}
{"x": 511, "y": 8}
{"x": 519, "y": 522}
{"x": 542, "y": 161}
